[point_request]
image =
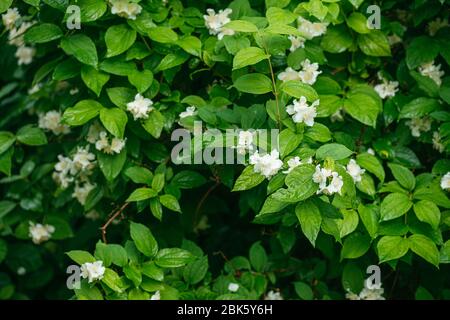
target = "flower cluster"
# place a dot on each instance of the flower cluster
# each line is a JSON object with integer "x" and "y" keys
{"x": 295, "y": 162}
{"x": 99, "y": 137}
{"x": 432, "y": 71}
{"x": 301, "y": 112}
{"x": 355, "y": 171}
{"x": 330, "y": 182}
{"x": 273, "y": 295}
{"x": 51, "y": 121}
{"x": 308, "y": 74}
{"x": 296, "y": 42}
{"x": 387, "y": 88}
{"x": 125, "y": 8}
{"x": 310, "y": 29}
{"x": 367, "y": 294}
{"x": 140, "y": 107}
{"x": 445, "y": 182}
{"x": 437, "y": 142}
{"x": 245, "y": 142}
{"x": 39, "y": 232}
{"x": 189, "y": 112}
{"x": 268, "y": 165}
{"x": 93, "y": 271}
{"x": 215, "y": 22}
{"x": 418, "y": 125}
{"x": 11, "y": 20}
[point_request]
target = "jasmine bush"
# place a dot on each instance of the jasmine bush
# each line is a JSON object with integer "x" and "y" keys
{"x": 117, "y": 117}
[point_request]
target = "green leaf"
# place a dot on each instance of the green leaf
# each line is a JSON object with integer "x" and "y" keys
{"x": 139, "y": 175}
{"x": 173, "y": 258}
{"x": 172, "y": 60}
{"x": 82, "y": 112}
{"x": 170, "y": 202}
{"x": 249, "y": 56}
{"x": 241, "y": 26}
{"x": 7, "y": 139}
{"x": 358, "y": 22}
{"x": 156, "y": 208}
{"x": 310, "y": 220}
{"x": 114, "y": 120}
{"x": 112, "y": 280}
{"x": 355, "y": 246}
{"x": 334, "y": 151}
{"x": 288, "y": 141}
{"x": 111, "y": 165}
{"x": 93, "y": 79}
{"x": 42, "y": 33}
{"x": 31, "y": 136}
{"x": 152, "y": 271}
{"x": 3, "y": 250}
{"x": 371, "y": 164}
{"x": 141, "y": 80}
{"x": 162, "y": 34}
{"x": 82, "y": 48}
{"x": 143, "y": 239}
{"x": 362, "y": 107}
{"x": 248, "y": 179}
{"x": 394, "y": 206}
{"x": 374, "y": 44}
{"x": 191, "y": 45}
{"x": 120, "y": 96}
{"x": 133, "y": 273}
{"x": 4, "y": 5}
{"x": 188, "y": 179}
{"x": 403, "y": 175}
{"x": 392, "y": 248}
{"x": 415, "y": 53}
{"x": 425, "y": 248}
{"x": 91, "y": 10}
{"x": 418, "y": 108}
{"x": 337, "y": 39}
{"x": 299, "y": 89}
{"x": 6, "y": 161}
{"x": 255, "y": 83}
{"x": 142, "y": 194}
{"x": 154, "y": 123}
{"x": 304, "y": 291}
{"x": 428, "y": 212}
{"x": 369, "y": 216}
{"x": 114, "y": 253}
{"x": 196, "y": 271}
{"x": 119, "y": 39}
{"x": 258, "y": 257}
{"x": 80, "y": 257}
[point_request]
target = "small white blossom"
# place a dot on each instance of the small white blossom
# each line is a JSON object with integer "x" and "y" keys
{"x": 394, "y": 39}
{"x": 322, "y": 176}
{"x": 367, "y": 294}
{"x": 10, "y": 18}
{"x": 370, "y": 151}
{"x": 302, "y": 112}
{"x": 268, "y": 165}
{"x": 418, "y": 125}
{"x": 63, "y": 172}
{"x": 94, "y": 132}
{"x": 338, "y": 116}
{"x": 74, "y": 91}
{"x": 289, "y": 74}
{"x": 245, "y": 142}
{"x": 309, "y": 72}
{"x": 83, "y": 159}
{"x": 335, "y": 185}
{"x": 445, "y": 182}
{"x": 103, "y": 144}
{"x": 233, "y": 287}
{"x": 437, "y": 142}
{"x": 215, "y": 22}
{"x": 354, "y": 170}
{"x": 125, "y": 9}
{"x": 93, "y": 271}
{"x": 190, "y": 112}
{"x": 156, "y": 296}
{"x": 35, "y": 88}
{"x": 92, "y": 215}
{"x": 386, "y": 89}
{"x": 51, "y": 121}
{"x": 432, "y": 71}
{"x": 82, "y": 191}
{"x": 296, "y": 42}
{"x": 273, "y": 295}
{"x": 25, "y": 55}
{"x": 310, "y": 29}
{"x": 21, "y": 271}
{"x": 140, "y": 107}
{"x": 294, "y": 163}
{"x": 40, "y": 233}
{"x": 15, "y": 36}
{"x": 436, "y": 25}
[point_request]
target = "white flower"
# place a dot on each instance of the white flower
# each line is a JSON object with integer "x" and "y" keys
{"x": 309, "y": 72}
{"x": 437, "y": 143}
{"x": 295, "y": 162}
{"x": 92, "y": 270}
{"x": 156, "y": 296}
{"x": 370, "y": 151}
{"x": 40, "y": 233}
{"x": 10, "y": 17}
{"x": 394, "y": 39}
{"x": 215, "y": 22}
{"x": 289, "y": 74}
{"x": 310, "y": 29}
{"x": 432, "y": 71}
{"x": 190, "y": 111}
{"x": 83, "y": 159}
{"x": 125, "y": 9}
{"x": 268, "y": 165}
{"x": 63, "y": 170}
{"x": 140, "y": 107}
{"x": 273, "y": 295}
{"x": 386, "y": 89}
{"x": 81, "y": 192}
{"x": 322, "y": 175}
{"x": 435, "y": 25}
{"x": 296, "y": 42}
{"x": 51, "y": 121}
{"x": 354, "y": 170}
{"x": 375, "y": 293}
{"x": 103, "y": 144}
{"x": 94, "y": 132}
{"x": 418, "y": 125}
{"x": 245, "y": 141}
{"x": 338, "y": 116}
{"x": 21, "y": 271}
{"x": 233, "y": 287}
{"x": 301, "y": 112}
{"x": 73, "y": 91}
{"x": 445, "y": 181}
{"x": 92, "y": 215}
{"x": 15, "y": 36}
{"x": 25, "y": 55}
{"x": 35, "y": 88}
{"x": 335, "y": 185}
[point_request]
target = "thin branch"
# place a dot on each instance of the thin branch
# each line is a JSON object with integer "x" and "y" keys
{"x": 111, "y": 219}
{"x": 203, "y": 199}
